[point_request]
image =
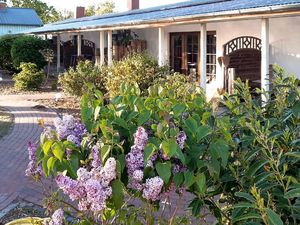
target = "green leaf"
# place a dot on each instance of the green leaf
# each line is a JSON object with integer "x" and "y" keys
{"x": 180, "y": 155}
{"x": 293, "y": 154}
{"x": 47, "y": 147}
{"x": 245, "y": 196}
{"x": 201, "y": 182}
{"x": 244, "y": 205}
{"x": 178, "y": 179}
{"x": 273, "y": 218}
{"x": 97, "y": 112}
{"x": 143, "y": 117}
{"x": 117, "y": 193}
{"x": 192, "y": 125}
{"x": 178, "y": 109}
{"x": 202, "y": 132}
{"x": 246, "y": 217}
{"x": 294, "y": 193}
{"x": 170, "y": 147}
{"x": 148, "y": 152}
{"x": 255, "y": 167}
{"x": 105, "y": 150}
{"x": 164, "y": 171}
{"x": 50, "y": 163}
{"x": 220, "y": 149}
{"x": 189, "y": 178}
{"x": 58, "y": 151}
{"x": 296, "y": 109}
{"x": 45, "y": 167}
{"x": 121, "y": 122}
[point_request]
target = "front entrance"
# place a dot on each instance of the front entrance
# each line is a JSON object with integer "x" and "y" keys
{"x": 243, "y": 54}
{"x": 185, "y": 52}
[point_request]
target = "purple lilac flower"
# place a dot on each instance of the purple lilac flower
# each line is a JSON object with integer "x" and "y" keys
{"x": 68, "y": 153}
{"x": 68, "y": 121}
{"x": 152, "y": 188}
{"x": 92, "y": 188}
{"x": 134, "y": 160}
{"x": 96, "y": 162}
{"x": 181, "y": 137}
{"x": 79, "y": 130}
{"x": 33, "y": 169}
{"x": 57, "y": 217}
{"x": 75, "y": 140}
{"x": 140, "y": 138}
{"x": 69, "y": 186}
{"x": 48, "y": 132}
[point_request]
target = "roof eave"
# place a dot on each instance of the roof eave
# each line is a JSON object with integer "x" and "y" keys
{"x": 254, "y": 13}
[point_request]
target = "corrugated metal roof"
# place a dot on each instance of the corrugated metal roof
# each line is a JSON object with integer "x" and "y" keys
{"x": 19, "y": 16}
{"x": 194, "y": 8}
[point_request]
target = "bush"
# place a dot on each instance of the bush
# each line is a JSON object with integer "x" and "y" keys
{"x": 176, "y": 86}
{"x": 136, "y": 68}
{"x": 75, "y": 81}
{"x": 242, "y": 167}
{"x": 30, "y": 77}
{"x": 6, "y": 61}
{"x": 26, "y": 49}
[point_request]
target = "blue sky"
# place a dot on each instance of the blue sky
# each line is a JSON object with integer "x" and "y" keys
{"x": 121, "y": 5}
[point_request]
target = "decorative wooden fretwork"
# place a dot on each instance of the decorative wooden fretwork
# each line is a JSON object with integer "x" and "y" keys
{"x": 244, "y": 42}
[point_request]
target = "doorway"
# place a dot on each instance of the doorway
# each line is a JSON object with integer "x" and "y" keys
{"x": 185, "y": 54}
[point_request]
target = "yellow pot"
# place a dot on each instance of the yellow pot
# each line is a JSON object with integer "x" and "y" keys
{"x": 27, "y": 221}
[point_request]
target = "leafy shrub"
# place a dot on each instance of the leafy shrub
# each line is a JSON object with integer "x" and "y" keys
{"x": 136, "y": 68}
{"x": 30, "y": 77}
{"x": 263, "y": 181}
{"x": 6, "y": 61}
{"x": 27, "y": 49}
{"x": 75, "y": 81}
{"x": 242, "y": 167}
{"x": 176, "y": 86}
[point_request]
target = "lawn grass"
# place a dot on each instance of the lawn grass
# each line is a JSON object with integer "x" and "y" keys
{"x": 6, "y": 121}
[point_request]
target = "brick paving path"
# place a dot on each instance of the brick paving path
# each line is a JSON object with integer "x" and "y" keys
{"x": 13, "y": 150}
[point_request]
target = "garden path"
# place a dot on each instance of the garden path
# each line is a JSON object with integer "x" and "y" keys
{"x": 13, "y": 147}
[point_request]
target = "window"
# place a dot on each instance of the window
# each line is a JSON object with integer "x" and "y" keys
{"x": 185, "y": 51}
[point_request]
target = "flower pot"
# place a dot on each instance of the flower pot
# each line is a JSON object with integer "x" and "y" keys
{"x": 27, "y": 221}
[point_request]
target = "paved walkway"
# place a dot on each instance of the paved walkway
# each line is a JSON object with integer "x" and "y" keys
{"x": 13, "y": 148}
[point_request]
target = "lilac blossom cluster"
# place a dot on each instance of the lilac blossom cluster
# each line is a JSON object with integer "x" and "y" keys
{"x": 33, "y": 170}
{"x": 68, "y": 128}
{"x": 57, "y": 217}
{"x": 91, "y": 188}
{"x": 135, "y": 166}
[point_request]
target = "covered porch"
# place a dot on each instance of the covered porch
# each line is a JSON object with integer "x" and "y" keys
{"x": 212, "y": 48}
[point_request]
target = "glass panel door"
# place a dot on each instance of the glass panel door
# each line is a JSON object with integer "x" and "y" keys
{"x": 176, "y": 52}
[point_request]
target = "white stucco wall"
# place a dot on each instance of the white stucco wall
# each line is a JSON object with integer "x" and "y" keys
{"x": 284, "y": 40}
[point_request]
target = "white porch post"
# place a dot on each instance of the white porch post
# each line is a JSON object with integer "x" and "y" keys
{"x": 79, "y": 44}
{"x": 265, "y": 56}
{"x": 109, "y": 48}
{"x": 161, "y": 38}
{"x": 203, "y": 51}
{"x": 101, "y": 44}
{"x": 58, "y": 53}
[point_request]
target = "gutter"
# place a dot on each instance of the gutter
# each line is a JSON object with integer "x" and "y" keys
{"x": 253, "y": 13}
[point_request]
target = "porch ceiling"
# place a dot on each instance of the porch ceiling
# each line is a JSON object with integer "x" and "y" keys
{"x": 187, "y": 12}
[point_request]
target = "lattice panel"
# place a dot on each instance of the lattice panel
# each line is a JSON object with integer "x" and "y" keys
{"x": 244, "y": 42}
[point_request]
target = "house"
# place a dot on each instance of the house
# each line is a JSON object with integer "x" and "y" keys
{"x": 15, "y": 20}
{"x": 214, "y": 41}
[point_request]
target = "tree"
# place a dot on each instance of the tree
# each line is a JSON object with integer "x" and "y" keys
{"x": 102, "y": 8}
{"x": 48, "y": 14}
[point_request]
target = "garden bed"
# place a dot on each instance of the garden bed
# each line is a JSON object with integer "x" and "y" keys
{"x": 66, "y": 105}
{"x": 6, "y": 121}
{"x": 7, "y": 87}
